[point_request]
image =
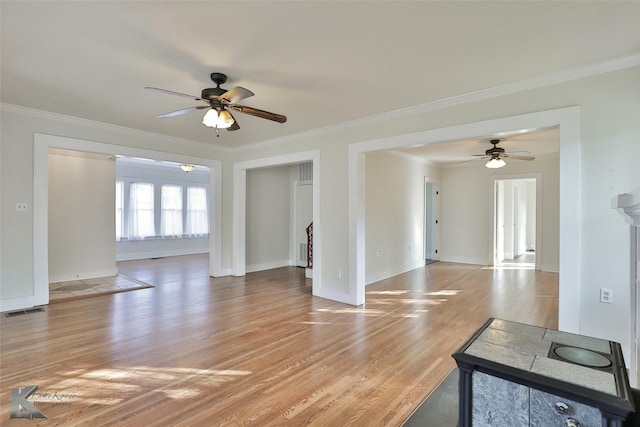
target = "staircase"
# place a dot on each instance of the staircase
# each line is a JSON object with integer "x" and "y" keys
{"x": 308, "y": 272}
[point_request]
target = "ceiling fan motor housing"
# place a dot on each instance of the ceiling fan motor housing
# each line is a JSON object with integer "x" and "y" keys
{"x": 211, "y": 93}
{"x": 495, "y": 150}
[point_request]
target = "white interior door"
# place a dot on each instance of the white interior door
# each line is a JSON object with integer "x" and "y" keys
{"x": 431, "y": 229}
{"x": 303, "y": 217}
{"x": 499, "y": 224}
{"x": 516, "y": 223}
{"x": 634, "y": 374}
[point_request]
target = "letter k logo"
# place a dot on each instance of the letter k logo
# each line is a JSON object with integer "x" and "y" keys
{"x": 20, "y": 407}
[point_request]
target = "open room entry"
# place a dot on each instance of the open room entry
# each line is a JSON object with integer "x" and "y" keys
{"x": 568, "y": 121}
{"x": 43, "y": 143}
{"x": 516, "y": 222}
{"x": 239, "y": 260}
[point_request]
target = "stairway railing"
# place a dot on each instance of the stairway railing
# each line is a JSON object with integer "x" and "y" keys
{"x": 310, "y": 245}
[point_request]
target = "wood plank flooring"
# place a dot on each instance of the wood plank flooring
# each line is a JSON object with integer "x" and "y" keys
{"x": 256, "y": 350}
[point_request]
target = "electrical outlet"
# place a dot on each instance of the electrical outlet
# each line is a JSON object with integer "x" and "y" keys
{"x": 22, "y": 207}
{"x": 606, "y": 295}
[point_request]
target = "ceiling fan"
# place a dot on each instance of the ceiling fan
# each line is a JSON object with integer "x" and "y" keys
{"x": 219, "y": 103}
{"x": 496, "y": 156}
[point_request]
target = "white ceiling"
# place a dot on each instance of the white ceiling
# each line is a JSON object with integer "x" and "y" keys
{"x": 321, "y": 63}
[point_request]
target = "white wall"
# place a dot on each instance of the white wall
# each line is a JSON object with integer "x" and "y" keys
{"x": 466, "y": 199}
{"x": 81, "y": 217}
{"x": 394, "y": 214}
{"x": 152, "y": 248}
{"x": 268, "y": 218}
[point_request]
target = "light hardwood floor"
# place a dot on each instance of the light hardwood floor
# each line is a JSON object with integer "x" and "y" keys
{"x": 256, "y": 350}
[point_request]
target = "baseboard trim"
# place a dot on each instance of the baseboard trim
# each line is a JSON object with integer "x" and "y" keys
{"x": 19, "y": 303}
{"x": 550, "y": 268}
{"x": 267, "y": 265}
{"x": 463, "y": 260}
{"x": 224, "y": 272}
{"x": 159, "y": 254}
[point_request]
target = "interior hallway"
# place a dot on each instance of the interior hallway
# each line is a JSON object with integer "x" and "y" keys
{"x": 258, "y": 349}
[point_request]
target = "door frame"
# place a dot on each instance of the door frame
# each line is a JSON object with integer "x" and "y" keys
{"x": 238, "y": 250}
{"x": 41, "y": 145}
{"x": 494, "y": 180}
{"x": 568, "y": 121}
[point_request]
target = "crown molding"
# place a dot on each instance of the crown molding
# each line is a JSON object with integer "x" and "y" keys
{"x": 48, "y": 115}
{"x": 507, "y": 89}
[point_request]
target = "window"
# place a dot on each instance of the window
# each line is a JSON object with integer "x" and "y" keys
{"x": 171, "y": 211}
{"x": 197, "y": 213}
{"x": 160, "y": 209}
{"x": 119, "y": 210}
{"x": 141, "y": 223}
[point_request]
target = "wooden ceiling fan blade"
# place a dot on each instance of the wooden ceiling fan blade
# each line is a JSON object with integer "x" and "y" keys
{"x": 259, "y": 113}
{"x": 183, "y": 111}
{"x": 515, "y": 156}
{"x": 235, "y": 125}
{"x": 236, "y": 94}
{"x": 170, "y": 92}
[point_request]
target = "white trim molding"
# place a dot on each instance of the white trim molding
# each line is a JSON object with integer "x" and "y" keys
{"x": 438, "y": 104}
{"x": 628, "y": 205}
{"x": 567, "y": 119}
{"x": 48, "y": 115}
{"x": 239, "y": 267}
{"x": 41, "y": 145}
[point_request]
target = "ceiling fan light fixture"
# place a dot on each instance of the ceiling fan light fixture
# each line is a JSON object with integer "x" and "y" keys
{"x": 187, "y": 168}
{"x": 495, "y": 163}
{"x": 215, "y": 119}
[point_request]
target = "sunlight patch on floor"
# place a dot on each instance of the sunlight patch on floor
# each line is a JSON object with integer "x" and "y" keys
{"x": 444, "y": 292}
{"x": 365, "y": 311}
{"x": 398, "y": 292}
{"x": 510, "y": 267}
{"x": 110, "y": 386}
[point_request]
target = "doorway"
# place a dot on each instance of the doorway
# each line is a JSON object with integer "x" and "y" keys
{"x": 42, "y": 144}
{"x": 515, "y": 223}
{"x": 431, "y": 213}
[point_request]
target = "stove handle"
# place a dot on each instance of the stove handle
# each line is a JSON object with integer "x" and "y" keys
{"x": 562, "y": 408}
{"x": 572, "y": 423}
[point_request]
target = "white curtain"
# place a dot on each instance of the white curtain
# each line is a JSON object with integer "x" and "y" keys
{"x": 141, "y": 221}
{"x": 119, "y": 209}
{"x": 171, "y": 211}
{"x": 197, "y": 212}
